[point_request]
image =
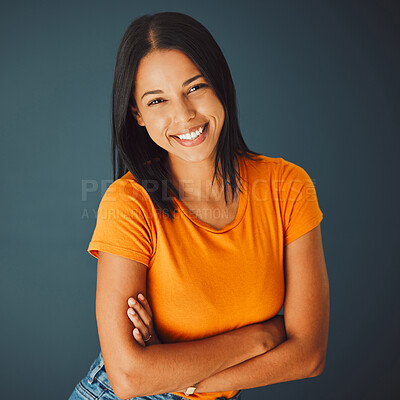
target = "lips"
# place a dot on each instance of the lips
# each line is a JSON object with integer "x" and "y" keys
{"x": 195, "y": 142}
{"x": 192, "y": 130}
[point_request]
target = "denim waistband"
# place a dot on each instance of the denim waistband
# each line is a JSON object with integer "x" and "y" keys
{"x": 97, "y": 371}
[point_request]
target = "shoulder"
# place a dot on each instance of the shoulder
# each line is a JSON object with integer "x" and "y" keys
{"x": 259, "y": 165}
{"x": 294, "y": 178}
{"x": 273, "y": 168}
{"x": 277, "y": 163}
{"x": 290, "y": 170}
{"x": 124, "y": 188}
{"x": 125, "y": 193}
{"x": 277, "y": 172}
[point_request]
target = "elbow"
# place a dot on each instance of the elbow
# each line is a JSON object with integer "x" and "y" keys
{"x": 317, "y": 364}
{"x": 122, "y": 395}
{"x": 126, "y": 387}
{"x": 126, "y": 383}
{"x": 122, "y": 389}
{"x": 121, "y": 392}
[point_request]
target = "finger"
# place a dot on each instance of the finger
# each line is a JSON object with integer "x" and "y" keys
{"x": 138, "y": 323}
{"x": 138, "y": 303}
{"x": 140, "y": 310}
{"x": 145, "y": 304}
{"x": 138, "y": 337}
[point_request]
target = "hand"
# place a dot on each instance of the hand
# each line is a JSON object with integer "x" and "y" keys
{"x": 142, "y": 319}
{"x": 144, "y": 323}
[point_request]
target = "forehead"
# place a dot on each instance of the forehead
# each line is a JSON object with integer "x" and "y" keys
{"x": 163, "y": 66}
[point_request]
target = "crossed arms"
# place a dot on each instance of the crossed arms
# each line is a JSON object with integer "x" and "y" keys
{"x": 252, "y": 356}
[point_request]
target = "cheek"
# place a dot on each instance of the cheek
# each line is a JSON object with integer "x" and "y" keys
{"x": 155, "y": 131}
{"x": 158, "y": 123}
{"x": 157, "y": 138}
{"x": 217, "y": 106}
{"x": 221, "y": 112}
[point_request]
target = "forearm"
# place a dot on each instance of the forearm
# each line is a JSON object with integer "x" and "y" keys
{"x": 289, "y": 361}
{"x": 162, "y": 368}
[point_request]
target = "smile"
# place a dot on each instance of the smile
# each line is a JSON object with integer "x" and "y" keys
{"x": 193, "y": 139}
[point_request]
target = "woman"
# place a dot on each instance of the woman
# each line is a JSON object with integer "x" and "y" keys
{"x": 204, "y": 239}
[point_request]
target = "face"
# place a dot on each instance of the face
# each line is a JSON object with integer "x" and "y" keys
{"x": 170, "y": 102}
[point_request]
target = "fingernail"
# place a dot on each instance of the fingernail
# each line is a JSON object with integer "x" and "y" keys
{"x": 130, "y": 311}
{"x": 136, "y": 330}
{"x": 141, "y": 297}
{"x": 132, "y": 301}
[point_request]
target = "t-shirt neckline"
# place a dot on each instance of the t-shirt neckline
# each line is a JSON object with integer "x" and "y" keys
{"x": 243, "y": 200}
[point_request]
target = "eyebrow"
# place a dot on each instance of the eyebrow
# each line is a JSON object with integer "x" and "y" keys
{"x": 184, "y": 84}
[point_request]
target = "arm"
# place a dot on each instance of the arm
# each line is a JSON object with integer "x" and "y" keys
{"x": 142, "y": 321}
{"x": 134, "y": 370}
{"x": 306, "y": 318}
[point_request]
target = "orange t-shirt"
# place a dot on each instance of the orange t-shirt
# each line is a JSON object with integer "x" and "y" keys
{"x": 203, "y": 281}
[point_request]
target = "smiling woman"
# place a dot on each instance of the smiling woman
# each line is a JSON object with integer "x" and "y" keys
{"x": 200, "y": 241}
{"x": 176, "y": 117}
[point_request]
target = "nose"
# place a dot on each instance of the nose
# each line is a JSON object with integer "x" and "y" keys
{"x": 183, "y": 111}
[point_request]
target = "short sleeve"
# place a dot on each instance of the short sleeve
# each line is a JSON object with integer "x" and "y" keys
{"x": 123, "y": 226}
{"x": 299, "y": 203}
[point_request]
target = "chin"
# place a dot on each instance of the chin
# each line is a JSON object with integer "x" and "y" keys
{"x": 194, "y": 157}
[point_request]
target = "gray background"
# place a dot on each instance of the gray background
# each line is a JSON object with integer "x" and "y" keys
{"x": 317, "y": 84}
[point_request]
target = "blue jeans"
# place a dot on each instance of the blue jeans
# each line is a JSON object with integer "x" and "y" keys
{"x": 95, "y": 385}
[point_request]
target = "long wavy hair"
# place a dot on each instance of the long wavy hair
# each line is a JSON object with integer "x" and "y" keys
{"x": 132, "y": 147}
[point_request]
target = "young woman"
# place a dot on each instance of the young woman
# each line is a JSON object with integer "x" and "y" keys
{"x": 200, "y": 241}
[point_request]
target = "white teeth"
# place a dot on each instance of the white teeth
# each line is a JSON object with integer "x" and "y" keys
{"x": 192, "y": 135}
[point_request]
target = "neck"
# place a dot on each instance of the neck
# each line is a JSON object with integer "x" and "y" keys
{"x": 193, "y": 180}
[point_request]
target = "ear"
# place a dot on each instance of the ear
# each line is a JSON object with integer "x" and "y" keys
{"x": 136, "y": 115}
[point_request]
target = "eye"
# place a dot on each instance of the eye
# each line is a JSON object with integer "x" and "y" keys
{"x": 200, "y": 85}
{"x": 152, "y": 102}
